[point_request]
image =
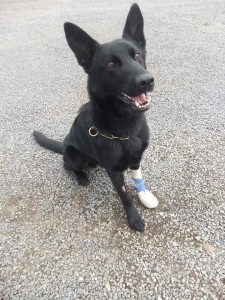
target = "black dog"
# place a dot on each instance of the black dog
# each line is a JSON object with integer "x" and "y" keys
{"x": 110, "y": 130}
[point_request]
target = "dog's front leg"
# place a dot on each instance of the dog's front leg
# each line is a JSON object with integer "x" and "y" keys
{"x": 134, "y": 219}
{"x": 145, "y": 196}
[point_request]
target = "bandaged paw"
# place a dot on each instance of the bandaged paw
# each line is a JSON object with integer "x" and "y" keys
{"x": 148, "y": 199}
{"x": 145, "y": 196}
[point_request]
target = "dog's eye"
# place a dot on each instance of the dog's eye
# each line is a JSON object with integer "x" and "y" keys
{"x": 109, "y": 64}
{"x": 137, "y": 56}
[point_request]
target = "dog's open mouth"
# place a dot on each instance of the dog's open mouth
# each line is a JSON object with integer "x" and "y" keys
{"x": 140, "y": 102}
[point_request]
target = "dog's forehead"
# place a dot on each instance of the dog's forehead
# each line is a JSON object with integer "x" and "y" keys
{"x": 117, "y": 47}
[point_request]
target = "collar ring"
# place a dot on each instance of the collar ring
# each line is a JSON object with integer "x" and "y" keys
{"x": 93, "y": 131}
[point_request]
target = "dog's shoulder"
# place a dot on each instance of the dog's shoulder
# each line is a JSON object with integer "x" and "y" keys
{"x": 82, "y": 122}
{"x": 85, "y": 115}
{"x": 85, "y": 109}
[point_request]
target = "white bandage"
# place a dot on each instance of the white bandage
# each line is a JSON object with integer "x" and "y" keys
{"x": 145, "y": 196}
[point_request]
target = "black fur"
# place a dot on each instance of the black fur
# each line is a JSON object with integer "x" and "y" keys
{"x": 113, "y": 68}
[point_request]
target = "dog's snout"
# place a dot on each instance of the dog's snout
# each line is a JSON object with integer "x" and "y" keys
{"x": 145, "y": 81}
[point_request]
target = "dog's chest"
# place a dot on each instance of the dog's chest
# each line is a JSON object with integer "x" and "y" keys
{"x": 130, "y": 154}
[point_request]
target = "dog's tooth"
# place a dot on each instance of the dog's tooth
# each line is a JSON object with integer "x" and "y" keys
{"x": 148, "y": 97}
{"x": 136, "y": 103}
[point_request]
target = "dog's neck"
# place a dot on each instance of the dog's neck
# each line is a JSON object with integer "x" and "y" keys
{"x": 115, "y": 117}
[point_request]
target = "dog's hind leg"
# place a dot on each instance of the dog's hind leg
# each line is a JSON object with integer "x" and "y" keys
{"x": 134, "y": 219}
{"x": 74, "y": 160}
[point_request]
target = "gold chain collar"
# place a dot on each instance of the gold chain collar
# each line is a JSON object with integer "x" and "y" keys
{"x": 93, "y": 131}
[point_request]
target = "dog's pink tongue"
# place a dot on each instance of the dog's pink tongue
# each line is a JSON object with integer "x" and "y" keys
{"x": 140, "y": 99}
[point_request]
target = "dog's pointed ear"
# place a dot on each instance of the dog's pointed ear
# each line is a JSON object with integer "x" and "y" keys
{"x": 82, "y": 45}
{"x": 134, "y": 27}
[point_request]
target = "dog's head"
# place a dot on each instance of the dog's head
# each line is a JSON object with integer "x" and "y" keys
{"x": 116, "y": 70}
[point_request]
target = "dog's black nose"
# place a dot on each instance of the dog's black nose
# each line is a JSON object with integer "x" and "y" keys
{"x": 145, "y": 82}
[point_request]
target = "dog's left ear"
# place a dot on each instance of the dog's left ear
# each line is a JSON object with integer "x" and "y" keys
{"x": 134, "y": 27}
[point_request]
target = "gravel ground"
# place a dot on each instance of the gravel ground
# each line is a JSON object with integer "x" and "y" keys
{"x": 62, "y": 241}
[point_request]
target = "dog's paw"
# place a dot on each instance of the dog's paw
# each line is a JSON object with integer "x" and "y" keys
{"x": 67, "y": 167}
{"x": 135, "y": 221}
{"x": 82, "y": 178}
{"x": 148, "y": 199}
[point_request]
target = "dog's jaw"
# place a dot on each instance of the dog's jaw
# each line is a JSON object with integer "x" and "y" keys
{"x": 140, "y": 102}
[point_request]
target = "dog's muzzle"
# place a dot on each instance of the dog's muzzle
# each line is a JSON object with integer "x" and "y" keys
{"x": 139, "y": 102}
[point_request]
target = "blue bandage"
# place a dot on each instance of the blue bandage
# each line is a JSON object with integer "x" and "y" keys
{"x": 139, "y": 185}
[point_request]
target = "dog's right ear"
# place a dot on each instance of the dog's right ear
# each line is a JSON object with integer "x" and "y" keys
{"x": 82, "y": 45}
